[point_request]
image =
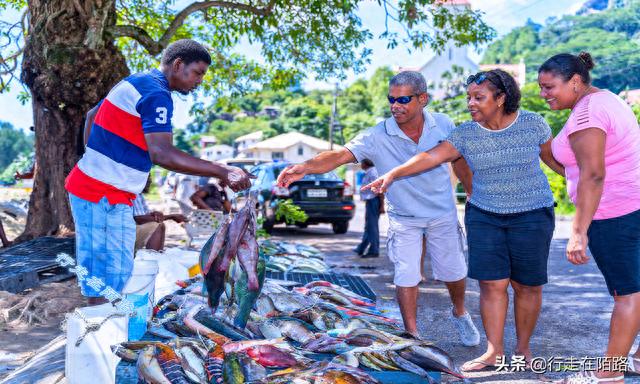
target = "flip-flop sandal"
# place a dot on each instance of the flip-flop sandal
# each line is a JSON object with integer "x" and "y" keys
{"x": 484, "y": 366}
{"x": 633, "y": 368}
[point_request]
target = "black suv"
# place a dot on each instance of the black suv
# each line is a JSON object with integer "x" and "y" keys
{"x": 321, "y": 197}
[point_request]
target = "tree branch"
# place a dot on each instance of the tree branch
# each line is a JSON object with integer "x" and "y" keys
{"x": 138, "y": 34}
{"x": 4, "y": 60}
{"x": 155, "y": 47}
{"x": 195, "y": 7}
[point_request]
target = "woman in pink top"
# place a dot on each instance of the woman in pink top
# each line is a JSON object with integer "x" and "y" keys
{"x": 599, "y": 147}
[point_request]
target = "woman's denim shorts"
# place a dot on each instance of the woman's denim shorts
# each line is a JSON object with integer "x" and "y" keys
{"x": 509, "y": 246}
{"x": 615, "y": 246}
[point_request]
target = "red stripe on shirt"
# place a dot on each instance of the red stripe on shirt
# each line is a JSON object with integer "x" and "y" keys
{"x": 121, "y": 123}
{"x": 90, "y": 189}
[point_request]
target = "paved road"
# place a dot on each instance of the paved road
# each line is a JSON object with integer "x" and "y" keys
{"x": 575, "y": 313}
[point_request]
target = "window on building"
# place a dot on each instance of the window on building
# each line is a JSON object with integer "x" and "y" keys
{"x": 300, "y": 151}
{"x": 277, "y": 155}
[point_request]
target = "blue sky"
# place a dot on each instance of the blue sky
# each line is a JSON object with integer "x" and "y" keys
{"x": 503, "y": 15}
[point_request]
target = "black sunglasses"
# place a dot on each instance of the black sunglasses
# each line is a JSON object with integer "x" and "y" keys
{"x": 400, "y": 99}
{"x": 478, "y": 78}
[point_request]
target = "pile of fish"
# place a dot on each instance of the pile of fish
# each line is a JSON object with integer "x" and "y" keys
{"x": 232, "y": 325}
{"x": 289, "y": 257}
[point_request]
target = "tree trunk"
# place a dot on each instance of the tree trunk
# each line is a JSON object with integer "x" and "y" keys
{"x": 69, "y": 65}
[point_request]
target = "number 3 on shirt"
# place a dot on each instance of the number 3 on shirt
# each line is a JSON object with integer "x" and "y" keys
{"x": 162, "y": 115}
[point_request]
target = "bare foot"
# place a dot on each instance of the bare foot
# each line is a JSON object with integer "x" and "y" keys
{"x": 527, "y": 357}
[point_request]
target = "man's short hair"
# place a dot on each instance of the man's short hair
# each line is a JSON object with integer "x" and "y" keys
{"x": 189, "y": 51}
{"x": 411, "y": 78}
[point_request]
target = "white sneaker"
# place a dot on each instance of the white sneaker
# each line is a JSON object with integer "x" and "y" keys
{"x": 469, "y": 335}
{"x": 588, "y": 377}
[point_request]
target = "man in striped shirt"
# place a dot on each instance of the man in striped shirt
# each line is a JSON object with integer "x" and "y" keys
{"x": 124, "y": 135}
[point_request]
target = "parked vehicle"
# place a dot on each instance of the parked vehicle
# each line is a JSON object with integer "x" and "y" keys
{"x": 325, "y": 198}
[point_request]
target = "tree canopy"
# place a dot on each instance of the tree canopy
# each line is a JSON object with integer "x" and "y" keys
{"x": 359, "y": 106}
{"x": 70, "y": 53}
{"x": 13, "y": 142}
{"x": 295, "y": 37}
{"x": 611, "y": 36}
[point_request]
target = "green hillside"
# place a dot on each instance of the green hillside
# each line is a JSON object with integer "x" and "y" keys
{"x": 611, "y": 36}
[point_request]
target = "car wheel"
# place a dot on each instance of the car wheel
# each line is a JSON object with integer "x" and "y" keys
{"x": 340, "y": 227}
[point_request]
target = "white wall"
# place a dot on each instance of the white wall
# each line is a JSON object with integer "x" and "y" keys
{"x": 290, "y": 154}
{"x": 216, "y": 152}
{"x": 434, "y": 70}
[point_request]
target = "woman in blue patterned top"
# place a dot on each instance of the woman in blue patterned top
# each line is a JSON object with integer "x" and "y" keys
{"x": 509, "y": 216}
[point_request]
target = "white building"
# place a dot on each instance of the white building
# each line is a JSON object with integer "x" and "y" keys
{"x": 216, "y": 152}
{"x": 207, "y": 141}
{"x": 294, "y": 147}
{"x": 444, "y": 62}
{"x": 245, "y": 141}
{"x": 518, "y": 71}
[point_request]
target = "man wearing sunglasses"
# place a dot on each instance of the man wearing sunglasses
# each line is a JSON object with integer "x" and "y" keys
{"x": 420, "y": 208}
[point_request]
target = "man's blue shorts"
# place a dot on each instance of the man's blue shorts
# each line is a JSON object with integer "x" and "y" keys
{"x": 509, "y": 246}
{"x": 615, "y": 246}
{"x": 105, "y": 237}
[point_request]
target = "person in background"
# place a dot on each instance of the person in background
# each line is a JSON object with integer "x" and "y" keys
{"x": 599, "y": 147}
{"x": 185, "y": 187}
{"x": 150, "y": 228}
{"x": 510, "y": 213}
{"x": 211, "y": 197}
{"x": 374, "y": 204}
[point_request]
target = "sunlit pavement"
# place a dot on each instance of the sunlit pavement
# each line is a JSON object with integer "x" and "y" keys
{"x": 575, "y": 312}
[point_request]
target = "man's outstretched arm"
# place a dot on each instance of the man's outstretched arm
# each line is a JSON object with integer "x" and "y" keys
{"x": 323, "y": 162}
{"x": 163, "y": 153}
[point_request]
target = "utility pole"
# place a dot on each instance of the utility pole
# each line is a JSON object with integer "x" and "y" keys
{"x": 334, "y": 125}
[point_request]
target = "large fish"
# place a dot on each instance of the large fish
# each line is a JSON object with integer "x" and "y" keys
{"x": 170, "y": 364}
{"x": 210, "y": 259}
{"x": 237, "y": 228}
{"x": 199, "y": 328}
{"x": 252, "y": 371}
{"x": 247, "y": 297}
{"x": 212, "y": 249}
{"x": 292, "y": 328}
{"x": 213, "y": 365}
{"x": 206, "y": 318}
{"x": 192, "y": 363}
{"x": 271, "y": 356}
{"x": 149, "y": 370}
{"x": 430, "y": 358}
{"x": 214, "y": 281}
{"x": 248, "y": 255}
{"x": 232, "y": 371}
{"x": 239, "y": 346}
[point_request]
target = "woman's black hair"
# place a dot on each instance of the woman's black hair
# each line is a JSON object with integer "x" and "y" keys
{"x": 566, "y": 65}
{"x": 501, "y": 82}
